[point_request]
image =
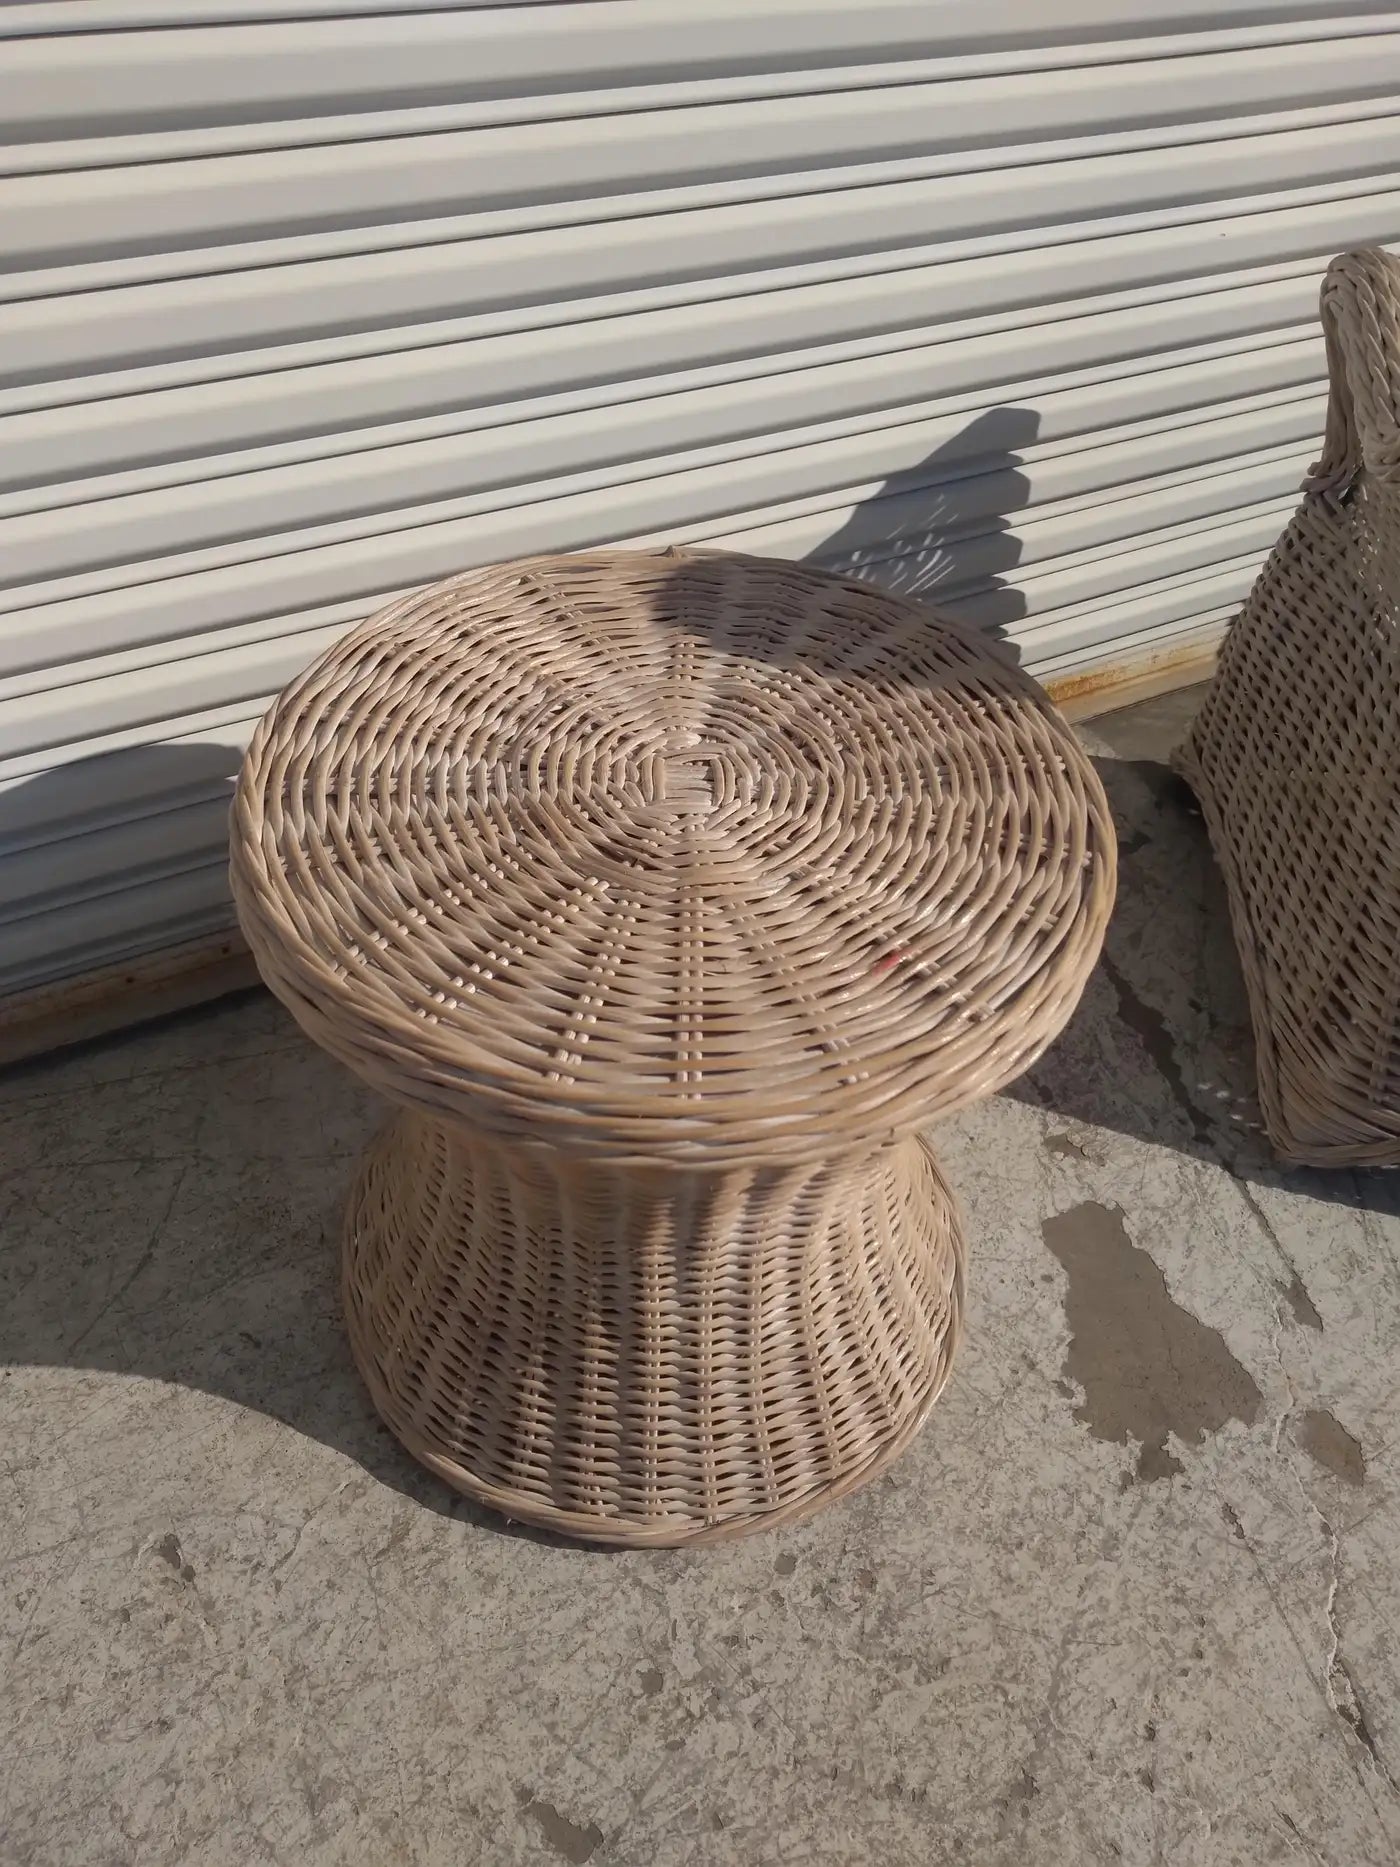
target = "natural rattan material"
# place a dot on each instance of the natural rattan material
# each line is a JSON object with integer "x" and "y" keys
{"x": 631, "y": 1353}
{"x": 1295, "y": 758}
{"x": 668, "y": 894}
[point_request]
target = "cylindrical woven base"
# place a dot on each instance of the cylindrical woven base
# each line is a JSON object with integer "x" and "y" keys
{"x": 647, "y": 1356}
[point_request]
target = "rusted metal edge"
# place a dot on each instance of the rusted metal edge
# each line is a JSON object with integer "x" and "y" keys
{"x": 173, "y": 978}
{"x": 1121, "y": 684}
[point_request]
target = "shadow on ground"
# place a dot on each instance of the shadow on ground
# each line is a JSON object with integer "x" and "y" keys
{"x": 170, "y": 1210}
{"x": 1168, "y": 988}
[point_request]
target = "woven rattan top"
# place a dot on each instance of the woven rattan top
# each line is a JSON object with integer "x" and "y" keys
{"x": 672, "y": 855}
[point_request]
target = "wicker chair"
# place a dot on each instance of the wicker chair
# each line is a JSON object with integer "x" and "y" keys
{"x": 1295, "y": 758}
{"x": 668, "y": 895}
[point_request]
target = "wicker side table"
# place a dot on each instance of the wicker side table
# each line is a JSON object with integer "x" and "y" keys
{"x": 668, "y": 896}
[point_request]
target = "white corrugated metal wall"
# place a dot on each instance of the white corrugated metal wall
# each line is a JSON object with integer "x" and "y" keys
{"x": 304, "y": 304}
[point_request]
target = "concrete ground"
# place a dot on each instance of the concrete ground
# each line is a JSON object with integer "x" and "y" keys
{"x": 1133, "y": 1596}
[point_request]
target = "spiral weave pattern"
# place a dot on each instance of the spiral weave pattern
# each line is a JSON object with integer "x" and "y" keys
{"x": 667, "y": 894}
{"x": 694, "y": 857}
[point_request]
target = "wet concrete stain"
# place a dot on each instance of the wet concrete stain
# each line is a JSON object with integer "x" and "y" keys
{"x": 1154, "y": 1034}
{"x": 1063, "y": 1147}
{"x": 650, "y": 1681}
{"x": 572, "y": 1843}
{"x": 1295, "y": 1291}
{"x": 1304, "y": 1310}
{"x": 1325, "y": 1440}
{"x": 169, "y": 1550}
{"x": 1232, "y": 1517}
{"x": 1147, "y": 1367}
{"x": 1153, "y": 1462}
{"x": 785, "y": 1565}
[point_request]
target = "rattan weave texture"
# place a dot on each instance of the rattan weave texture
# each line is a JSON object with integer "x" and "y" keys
{"x": 1295, "y": 757}
{"x": 650, "y": 1359}
{"x": 668, "y": 894}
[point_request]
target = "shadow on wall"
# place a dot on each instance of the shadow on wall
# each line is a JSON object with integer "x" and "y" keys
{"x": 942, "y": 530}
{"x": 92, "y": 849}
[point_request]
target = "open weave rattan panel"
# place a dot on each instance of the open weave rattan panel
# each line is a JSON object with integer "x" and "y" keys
{"x": 672, "y": 855}
{"x": 1295, "y": 757}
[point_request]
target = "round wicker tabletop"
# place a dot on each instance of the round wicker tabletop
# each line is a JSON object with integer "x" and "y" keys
{"x": 668, "y": 895}
{"x": 673, "y": 855}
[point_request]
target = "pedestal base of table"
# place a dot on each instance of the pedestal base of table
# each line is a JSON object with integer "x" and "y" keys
{"x": 649, "y": 1356}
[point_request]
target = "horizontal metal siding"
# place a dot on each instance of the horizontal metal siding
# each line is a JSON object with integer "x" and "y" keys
{"x": 137, "y": 615}
{"x": 196, "y": 213}
{"x": 303, "y": 306}
{"x": 682, "y": 258}
{"x": 168, "y": 433}
{"x": 265, "y": 68}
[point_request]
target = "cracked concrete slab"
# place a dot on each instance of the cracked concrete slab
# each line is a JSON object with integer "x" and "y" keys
{"x": 239, "y": 1625}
